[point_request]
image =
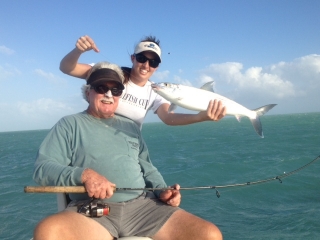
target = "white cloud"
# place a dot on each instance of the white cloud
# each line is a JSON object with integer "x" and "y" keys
{"x": 8, "y": 71}
{"x": 303, "y": 72}
{"x": 279, "y": 81}
{"x": 205, "y": 78}
{"x": 5, "y": 50}
{"x": 44, "y": 106}
{"x": 179, "y": 80}
{"x": 38, "y": 114}
{"x": 161, "y": 75}
{"x": 254, "y": 79}
{"x": 50, "y": 77}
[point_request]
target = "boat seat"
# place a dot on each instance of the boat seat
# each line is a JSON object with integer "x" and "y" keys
{"x": 63, "y": 200}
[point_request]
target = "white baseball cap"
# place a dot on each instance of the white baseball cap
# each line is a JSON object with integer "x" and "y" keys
{"x": 148, "y": 46}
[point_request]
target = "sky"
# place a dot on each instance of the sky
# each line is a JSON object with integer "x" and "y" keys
{"x": 256, "y": 52}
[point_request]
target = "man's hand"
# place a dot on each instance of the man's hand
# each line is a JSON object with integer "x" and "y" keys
{"x": 85, "y": 43}
{"x": 97, "y": 185}
{"x": 215, "y": 111}
{"x": 172, "y": 196}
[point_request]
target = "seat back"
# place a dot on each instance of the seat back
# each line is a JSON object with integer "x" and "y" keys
{"x": 61, "y": 201}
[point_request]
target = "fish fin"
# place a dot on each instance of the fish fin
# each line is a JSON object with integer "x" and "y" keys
{"x": 208, "y": 86}
{"x": 256, "y": 123}
{"x": 263, "y": 110}
{"x": 172, "y": 107}
{"x": 257, "y": 126}
{"x": 238, "y": 117}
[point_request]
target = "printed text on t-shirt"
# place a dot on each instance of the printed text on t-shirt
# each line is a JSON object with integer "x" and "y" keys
{"x": 138, "y": 102}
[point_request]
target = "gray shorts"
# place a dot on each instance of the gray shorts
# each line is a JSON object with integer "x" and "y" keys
{"x": 142, "y": 216}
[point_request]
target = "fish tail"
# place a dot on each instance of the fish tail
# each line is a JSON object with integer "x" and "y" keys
{"x": 256, "y": 123}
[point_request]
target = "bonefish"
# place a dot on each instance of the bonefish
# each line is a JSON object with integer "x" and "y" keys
{"x": 197, "y": 99}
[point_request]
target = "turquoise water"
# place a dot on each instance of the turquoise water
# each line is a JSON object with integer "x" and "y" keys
{"x": 204, "y": 154}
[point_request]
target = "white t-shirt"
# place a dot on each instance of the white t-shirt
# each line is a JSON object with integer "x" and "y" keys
{"x": 136, "y": 101}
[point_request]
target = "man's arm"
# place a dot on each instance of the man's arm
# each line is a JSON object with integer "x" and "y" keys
{"x": 154, "y": 179}
{"x": 151, "y": 175}
{"x": 215, "y": 112}
{"x": 53, "y": 160}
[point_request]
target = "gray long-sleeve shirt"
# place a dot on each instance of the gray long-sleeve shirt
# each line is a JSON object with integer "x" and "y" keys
{"x": 112, "y": 147}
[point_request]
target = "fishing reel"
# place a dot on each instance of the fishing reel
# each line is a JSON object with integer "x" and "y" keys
{"x": 92, "y": 208}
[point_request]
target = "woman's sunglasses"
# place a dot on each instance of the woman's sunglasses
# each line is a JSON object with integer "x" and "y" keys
{"x": 142, "y": 59}
{"x": 102, "y": 89}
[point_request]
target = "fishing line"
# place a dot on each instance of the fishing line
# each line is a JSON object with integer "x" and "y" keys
{"x": 102, "y": 55}
{"x": 106, "y": 59}
{"x": 279, "y": 178}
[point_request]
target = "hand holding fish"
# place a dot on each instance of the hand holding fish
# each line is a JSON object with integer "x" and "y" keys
{"x": 86, "y": 43}
{"x": 171, "y": 196}
{"x": 197, "y": 99}
{"x": 215, "y": 111}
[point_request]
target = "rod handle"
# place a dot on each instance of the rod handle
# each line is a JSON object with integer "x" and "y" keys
{"x": 54, "y": 189}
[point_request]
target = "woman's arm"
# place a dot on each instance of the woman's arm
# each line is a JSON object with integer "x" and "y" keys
{"x": 69, "y": 64}
{"x": 215, "y": 112}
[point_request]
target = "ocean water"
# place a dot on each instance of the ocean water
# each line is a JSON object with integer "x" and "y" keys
{"x": 204, "y": 154}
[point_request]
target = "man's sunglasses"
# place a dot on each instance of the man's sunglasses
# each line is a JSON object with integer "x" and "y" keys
{"x": 102, "y": 89}
{"x": 142, "y": 59}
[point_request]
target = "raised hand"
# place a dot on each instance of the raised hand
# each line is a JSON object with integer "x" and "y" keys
{"x": 86, "y": 43}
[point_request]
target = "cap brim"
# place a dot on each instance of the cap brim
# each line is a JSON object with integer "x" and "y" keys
{"x": 104, "y": 81}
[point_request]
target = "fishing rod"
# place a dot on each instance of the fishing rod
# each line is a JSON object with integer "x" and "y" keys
{"x": 81, "y": 189}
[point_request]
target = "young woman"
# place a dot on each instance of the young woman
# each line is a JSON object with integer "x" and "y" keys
{"x": 138, "y": 97}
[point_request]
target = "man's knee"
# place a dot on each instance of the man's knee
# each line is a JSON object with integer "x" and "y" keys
{"x": 45, "y": 227}
{"x": 70, "y": 225}
{"x": 51, "y": 227}
{"x": 214, "y": 233}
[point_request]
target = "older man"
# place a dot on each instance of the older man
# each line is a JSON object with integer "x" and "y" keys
{"x": 101, "y": 150}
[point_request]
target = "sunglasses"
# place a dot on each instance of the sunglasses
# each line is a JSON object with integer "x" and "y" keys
{"x": 142, "y": 59}
{"x": 102, "y": 89}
